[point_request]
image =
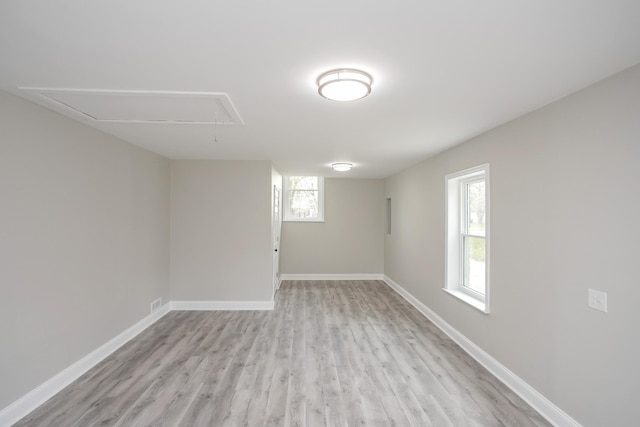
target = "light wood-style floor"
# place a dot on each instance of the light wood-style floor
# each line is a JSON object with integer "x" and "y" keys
{"x": 335, "y": 353}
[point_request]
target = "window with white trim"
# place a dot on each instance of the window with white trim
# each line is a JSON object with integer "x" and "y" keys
{"x": 467, "y": 252}
{"x": 303, "y": 198}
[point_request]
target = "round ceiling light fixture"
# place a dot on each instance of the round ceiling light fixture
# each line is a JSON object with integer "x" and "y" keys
{"x": 345, "y": 84}
{"x": 341, "y": 167}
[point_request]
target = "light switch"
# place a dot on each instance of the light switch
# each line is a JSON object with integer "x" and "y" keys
{"x": 598, "y": 300}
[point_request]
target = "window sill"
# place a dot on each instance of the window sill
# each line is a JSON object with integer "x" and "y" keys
{"x": 473, "y": 302}
{"x": 302, "y": 220}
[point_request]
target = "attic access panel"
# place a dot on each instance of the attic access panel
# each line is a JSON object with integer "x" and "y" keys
{"x": 109, "y": 106}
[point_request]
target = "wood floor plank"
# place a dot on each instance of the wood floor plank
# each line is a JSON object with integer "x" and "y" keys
{"x": 313, "y": 386}
{"x": 273, "y": 383}
{"x": 165, "y": 402}
{"x": 331, "y": 353}
{"x": 167, "y": 358}
{"x": 295, "y": 407}
{"x": 77, "y": 396}
{"x": 225, "y": 390}
{"x": 204, "y": 406}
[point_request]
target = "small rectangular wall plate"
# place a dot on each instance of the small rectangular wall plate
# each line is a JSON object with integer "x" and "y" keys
{"x": 598, "y": 300}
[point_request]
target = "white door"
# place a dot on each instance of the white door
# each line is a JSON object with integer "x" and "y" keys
{"x": 277, "y": 224}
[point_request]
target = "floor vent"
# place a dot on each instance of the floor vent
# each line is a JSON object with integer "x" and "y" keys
{"x": 155, "y": 305}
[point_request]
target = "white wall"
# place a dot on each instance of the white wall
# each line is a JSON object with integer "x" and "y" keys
{"x": 221, "y": 230}
{"x": 349, "y": 241}
{"x": 565, "y": 206}
{"x": 84, "y": 241}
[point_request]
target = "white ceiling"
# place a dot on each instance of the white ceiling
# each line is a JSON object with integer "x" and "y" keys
{"x": 443, "y": 71}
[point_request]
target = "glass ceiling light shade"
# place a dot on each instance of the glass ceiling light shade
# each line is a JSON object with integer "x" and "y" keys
{"x": 345, "y": 84}
{"x": 341, "y": 167}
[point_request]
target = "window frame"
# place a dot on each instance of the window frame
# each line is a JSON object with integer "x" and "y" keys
{"x": 456, "y": 217}
{"x": 465, "y": 233}
{"x": 286, "y": 193}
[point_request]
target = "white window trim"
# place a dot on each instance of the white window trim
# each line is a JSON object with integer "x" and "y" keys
{"x": 286, "y": 214}
{"x": 453, "y": 241}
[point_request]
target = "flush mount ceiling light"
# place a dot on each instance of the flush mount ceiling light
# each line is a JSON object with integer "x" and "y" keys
{"x": 345, "y": 84}
{"x": 341, "y": 167}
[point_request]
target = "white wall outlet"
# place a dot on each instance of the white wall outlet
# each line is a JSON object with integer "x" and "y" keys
{"x": 155, "y": 305}
{"x": 598, "y": 300}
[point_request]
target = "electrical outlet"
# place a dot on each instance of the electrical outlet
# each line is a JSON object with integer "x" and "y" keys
{"x": 155, "y": 305}
{"x": 598, "y": 300}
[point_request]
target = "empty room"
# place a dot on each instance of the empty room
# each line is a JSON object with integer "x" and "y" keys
{"x": 313, "y": 214}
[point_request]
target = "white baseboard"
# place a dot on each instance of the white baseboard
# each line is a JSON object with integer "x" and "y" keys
{"x": 222, "y": 305}
{"x": 332, "y": 277}
{"x": 55, "y": 384}
{"x": 544, "y": 406}
{"x": 48, "y": 389}
{"x": 45, "y": 391}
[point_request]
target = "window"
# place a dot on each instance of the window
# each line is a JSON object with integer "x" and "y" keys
{"x": 303, "y": 198}
{"x": 467, "y": 252}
